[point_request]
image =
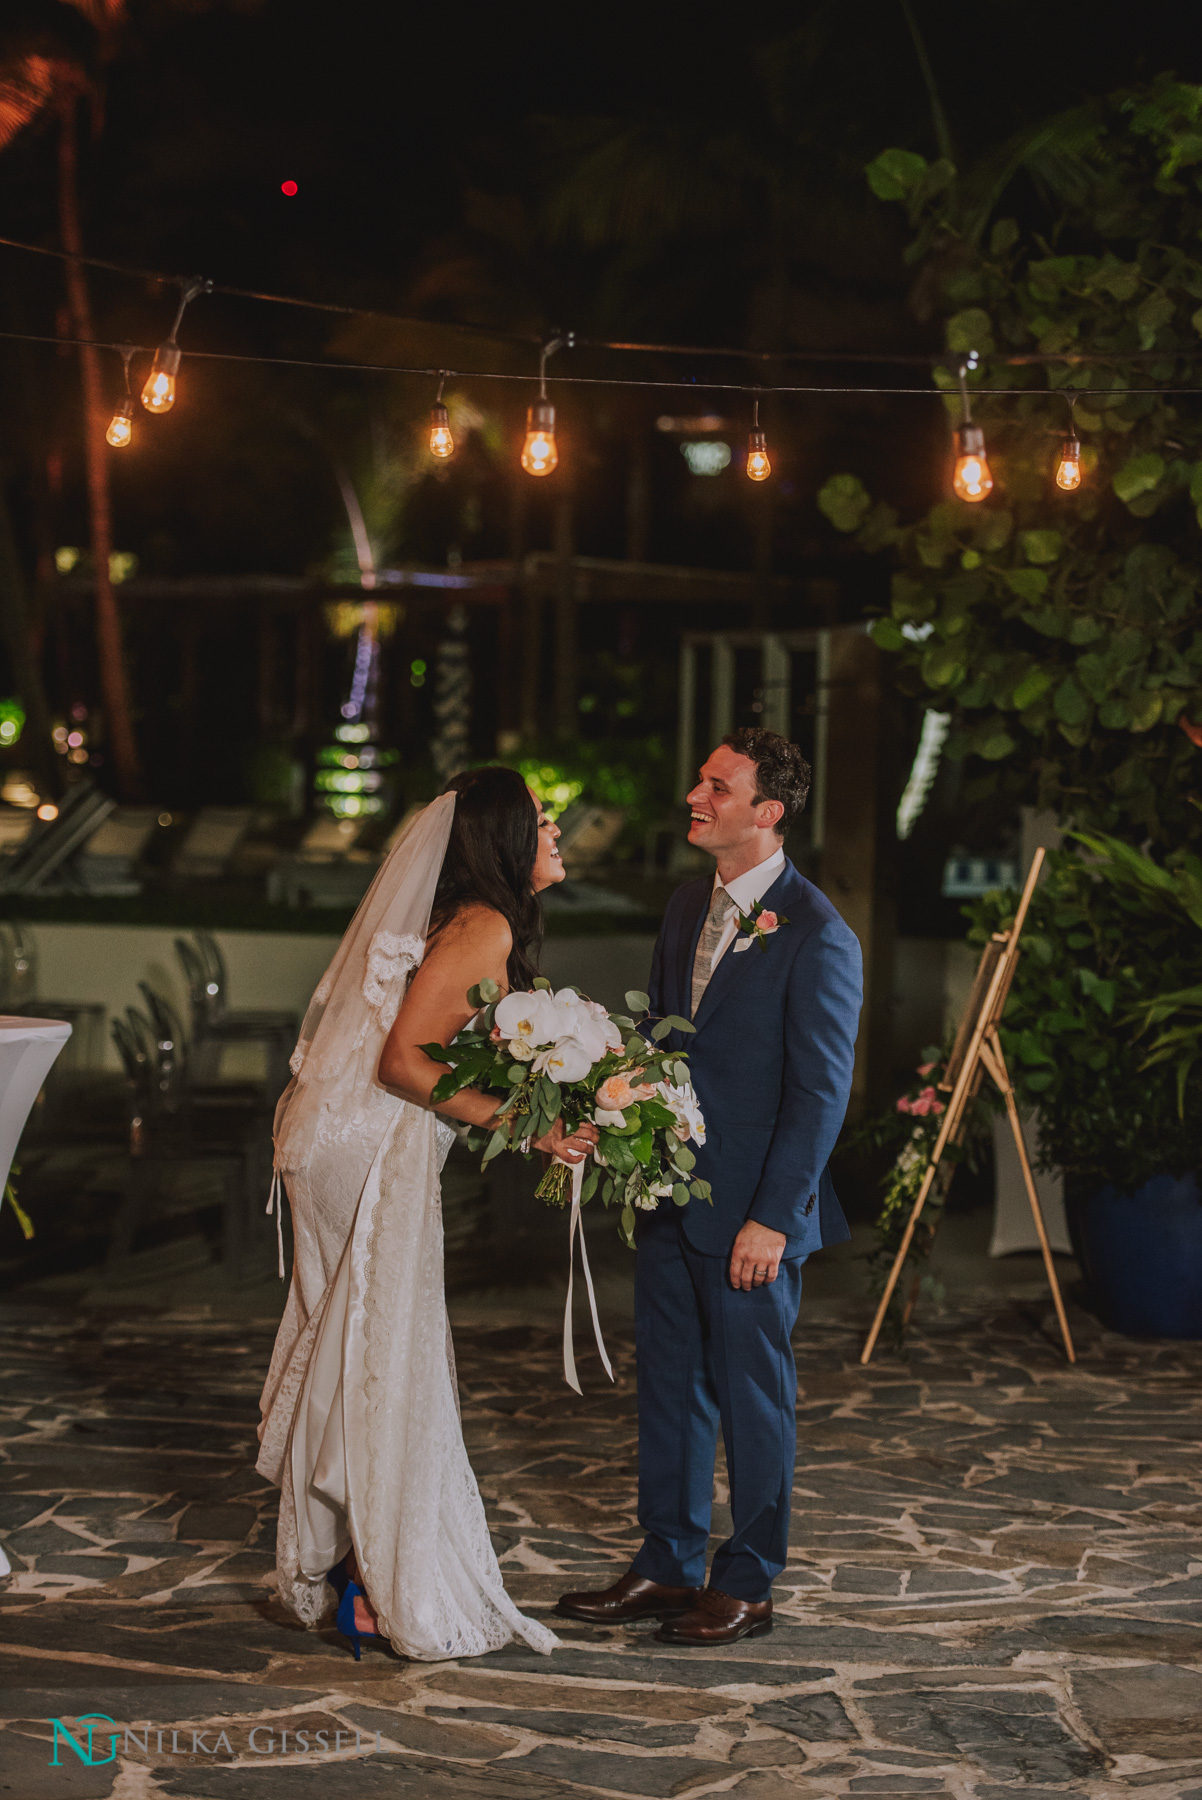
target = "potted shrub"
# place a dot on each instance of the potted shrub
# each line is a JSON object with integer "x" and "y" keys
{"x": 1103, "y": 1037}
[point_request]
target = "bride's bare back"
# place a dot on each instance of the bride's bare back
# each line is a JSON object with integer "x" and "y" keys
{"x": 473, "y": 946}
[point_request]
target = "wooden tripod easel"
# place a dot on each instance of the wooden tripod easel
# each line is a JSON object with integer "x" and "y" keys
{"x": 978, "y": 1052}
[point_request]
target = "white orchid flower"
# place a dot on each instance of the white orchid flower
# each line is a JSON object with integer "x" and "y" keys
{"x": 567, "y": 1060}
{"x": 590, "y": 1035}
{"x": 605, "y": 1116}
{"x": 682, "y": 1102}
{"x": 531, "y": 1016}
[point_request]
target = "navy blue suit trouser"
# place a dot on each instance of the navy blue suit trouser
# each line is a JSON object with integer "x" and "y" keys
{"x": 710, "y": 1354}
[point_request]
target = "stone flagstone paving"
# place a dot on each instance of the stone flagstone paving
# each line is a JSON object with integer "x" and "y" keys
{"x": 994, "y": 1586}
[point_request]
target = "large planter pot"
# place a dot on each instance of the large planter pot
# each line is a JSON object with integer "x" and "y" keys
{"x": 1141, "y": 1254}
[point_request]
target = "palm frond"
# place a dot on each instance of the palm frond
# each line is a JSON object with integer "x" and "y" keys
{"x": 27, "y": 85}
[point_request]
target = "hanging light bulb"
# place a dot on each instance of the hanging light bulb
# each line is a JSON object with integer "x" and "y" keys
{"x": 158, "y": 393}
{"x": 1068, "y": 470}
{"x": 971, "y": 478}
{"x": 121, "y": 429}
{"x": 539, "y": 451}
{"x": 442, "y": 444}
{"x": 758, "y": 466}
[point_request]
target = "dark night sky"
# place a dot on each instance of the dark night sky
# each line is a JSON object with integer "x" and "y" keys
{"x": 425, "y": 142}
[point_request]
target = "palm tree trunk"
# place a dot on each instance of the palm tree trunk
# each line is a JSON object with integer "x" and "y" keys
{"x": 114, "y": 688}
{"x": 17, "y": 638}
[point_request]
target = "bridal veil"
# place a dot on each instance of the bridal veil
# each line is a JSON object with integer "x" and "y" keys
{"x": 360, "y": 1427}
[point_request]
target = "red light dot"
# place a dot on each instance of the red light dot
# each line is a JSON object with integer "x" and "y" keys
{"x": 288, "y": 187}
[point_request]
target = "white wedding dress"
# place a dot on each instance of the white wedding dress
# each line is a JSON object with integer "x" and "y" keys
{"x": 361, "y": 1429}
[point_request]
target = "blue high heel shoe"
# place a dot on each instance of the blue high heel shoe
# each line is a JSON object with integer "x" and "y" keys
{"x": 348, "y": 1592}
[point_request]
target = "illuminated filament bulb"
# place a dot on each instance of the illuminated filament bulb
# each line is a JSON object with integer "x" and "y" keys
{"x": 539, "y": 455}
{"x": 1068, "y": 471}
{"x": 158, "y": 395}
{"x": 121, "y": 429}
{"x": 758, "y": 466}
{"x": 442, "y": 444}
{"x": 971, "y": 478}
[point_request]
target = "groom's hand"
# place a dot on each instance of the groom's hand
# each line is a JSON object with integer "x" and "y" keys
{"x": 756, "y": 1256}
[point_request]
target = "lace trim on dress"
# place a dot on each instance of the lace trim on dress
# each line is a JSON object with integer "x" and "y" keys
{"x": 390, "y": 961}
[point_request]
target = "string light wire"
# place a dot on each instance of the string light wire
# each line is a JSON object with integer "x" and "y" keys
{"x": 695, "y": 383}
{"x": 900, "y": 359}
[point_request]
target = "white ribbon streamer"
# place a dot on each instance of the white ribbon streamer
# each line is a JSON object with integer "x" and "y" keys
{"x": 275, "y": 1203}
{"x": 577, "y": 1226}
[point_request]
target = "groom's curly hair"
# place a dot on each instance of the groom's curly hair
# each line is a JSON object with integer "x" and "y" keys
{"x": 781, "y": 771}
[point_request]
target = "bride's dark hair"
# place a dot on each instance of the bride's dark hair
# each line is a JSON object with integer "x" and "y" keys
{"x": 490, "y": 861}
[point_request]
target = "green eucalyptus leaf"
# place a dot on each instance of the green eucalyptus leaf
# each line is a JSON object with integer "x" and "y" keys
{"x": 1040, "y": 546}
{"x": 496, "y": 1144}
{"x": 886, "y": 635}
{"x": 638, "y": 1001}
{"x": 1071, "y": 705}
{"x": 845, "y": 501}
{"x": 1138, "y": 475}
{"x": 1029, "y": 584}
{"x": 894, "y": 173}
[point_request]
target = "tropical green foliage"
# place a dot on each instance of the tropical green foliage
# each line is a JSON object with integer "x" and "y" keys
{"x": 1111, "y": 940}
{"x": 633, "y": 773}
{"x": 1063, "y": 631}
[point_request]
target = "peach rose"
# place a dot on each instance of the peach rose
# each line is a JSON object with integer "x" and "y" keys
{"x": 767, "y": 921}
{"x": 615, "y": 1094}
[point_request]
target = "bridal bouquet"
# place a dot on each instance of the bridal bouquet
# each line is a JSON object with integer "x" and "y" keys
{"x": 560, "y": 1055}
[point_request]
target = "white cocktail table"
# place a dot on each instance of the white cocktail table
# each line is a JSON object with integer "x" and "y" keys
{"x": 28, "y": 1048}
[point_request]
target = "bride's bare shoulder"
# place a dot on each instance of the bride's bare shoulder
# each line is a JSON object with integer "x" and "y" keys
{"x": 475, "y": 929}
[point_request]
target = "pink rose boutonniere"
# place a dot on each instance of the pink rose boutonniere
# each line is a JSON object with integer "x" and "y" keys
{"x": 757, "y": 926}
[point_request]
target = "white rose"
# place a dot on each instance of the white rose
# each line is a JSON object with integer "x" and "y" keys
{"x": 531, "y": 1016}
{"x": 521, "y": 1049}
{"x": 566, "y": 1060}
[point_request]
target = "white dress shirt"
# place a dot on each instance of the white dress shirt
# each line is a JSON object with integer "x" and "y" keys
{"x": 744, "y": 890}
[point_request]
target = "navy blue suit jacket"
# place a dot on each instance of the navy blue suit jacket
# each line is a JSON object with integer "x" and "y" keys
{"x": 771, "y": 1062}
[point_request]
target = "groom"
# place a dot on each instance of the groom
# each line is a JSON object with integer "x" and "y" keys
{"x": 717, "y": 1288}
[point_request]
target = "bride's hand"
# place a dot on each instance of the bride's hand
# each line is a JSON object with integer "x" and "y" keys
{"x": 569, "y": 1149}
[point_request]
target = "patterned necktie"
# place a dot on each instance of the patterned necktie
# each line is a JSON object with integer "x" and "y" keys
{"x": 711, "y": 932}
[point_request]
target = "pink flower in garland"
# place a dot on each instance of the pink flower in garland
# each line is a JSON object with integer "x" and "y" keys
{"x": 922, "y": 1104}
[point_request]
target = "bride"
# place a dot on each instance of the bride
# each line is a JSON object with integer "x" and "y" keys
{"x": 360, "y": 1426}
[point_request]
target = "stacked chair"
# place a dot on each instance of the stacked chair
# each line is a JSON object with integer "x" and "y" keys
{"x": 214, "y": 1026}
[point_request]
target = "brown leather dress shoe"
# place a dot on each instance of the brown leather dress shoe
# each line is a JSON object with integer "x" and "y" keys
{"x": 718, "y": 1618}
{"x": 634, "y": 1597}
